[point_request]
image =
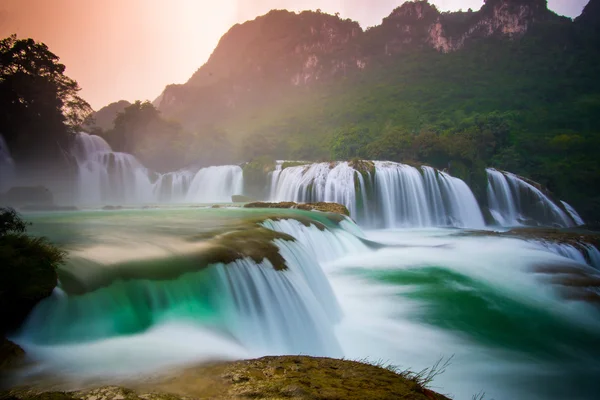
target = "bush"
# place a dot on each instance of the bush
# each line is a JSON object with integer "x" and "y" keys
{"x": 28, "y": 269}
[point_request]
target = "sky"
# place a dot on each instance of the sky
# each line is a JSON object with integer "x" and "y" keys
{"x": 132, "y": 49}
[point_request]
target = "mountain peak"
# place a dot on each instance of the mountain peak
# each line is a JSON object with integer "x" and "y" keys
{"x": 414, "y": 10}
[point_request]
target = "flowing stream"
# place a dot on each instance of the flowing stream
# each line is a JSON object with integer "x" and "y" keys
{"x": 135, "y": 299}
{"x": 405, "y": 281}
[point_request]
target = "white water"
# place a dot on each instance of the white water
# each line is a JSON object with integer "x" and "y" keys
{"x": 573, "y": 213}
{"x": 394, "y": 196}
{"x": 7, "y": 167}
{"x": 105, "y": 176}
{"x": 216, "y": 184}
{"x": 589, "y": 254}
{"x": 315, "y": 182}
{"x": 238, "y": 310}
{"x": 402, "y": 196}
{"x": 332, "y": 301}
{"x": 412, "y": 198}
{"x": 514, "y": 202}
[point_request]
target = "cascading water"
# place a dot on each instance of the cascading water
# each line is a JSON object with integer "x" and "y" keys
{"x": 396, "y": 195}
{"x": 412, "y": 198}
{"x": 173, "y": 186}
{"x": 248, "y": 305}
{"x": 511, "y": 311}
{"x": 584, "y": 254}
{"x": 7, "y": 167}
{"x": 573, "y": 214}
{"x": 105, "y": 176}
{"x": 514, "y": 202}
{"x": 216, "y": 184}
{"x": 135, "y": 298}
{"x": 316, "y": 182}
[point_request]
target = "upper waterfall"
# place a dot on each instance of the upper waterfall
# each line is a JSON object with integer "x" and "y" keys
{"x": 108, "y": 176}
{"x": 392, "y": 195}
{"x": 513, "y": 201}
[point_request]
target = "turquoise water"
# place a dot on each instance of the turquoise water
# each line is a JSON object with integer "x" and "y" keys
{"x": 135, "y": 298}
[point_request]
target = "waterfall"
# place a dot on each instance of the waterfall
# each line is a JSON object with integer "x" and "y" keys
{"x": 316, "y": 182}
{"x": 324, "y": 245}
{"x": 573, "y": 214}
{"x": 7, "y": 167}
{"x": 396, "y": 195}
{"x": 216, "y": 184}
{"x": 584, "y": 254}
{"x": 105, "y": 176}
{"x": 172, "y": 186}
{"x": 514, "y": 202}
{"x": 263, "y": 310}
{"x": 411, "y": 197}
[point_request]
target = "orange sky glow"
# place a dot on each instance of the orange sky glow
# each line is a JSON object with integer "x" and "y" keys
{"x": 131, "y": 49}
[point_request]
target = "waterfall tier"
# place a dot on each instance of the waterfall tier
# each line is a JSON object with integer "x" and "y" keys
{"x": 513, "y": 202}
{"x": 378, "y": 194}
{"x": 392, "y": 195}
{"x": 105, "y": 176}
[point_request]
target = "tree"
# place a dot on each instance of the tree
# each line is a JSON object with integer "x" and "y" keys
{"x": 40, "y": 108}
{"x": 131, "y": 125}
{"x": 350, "y": 142}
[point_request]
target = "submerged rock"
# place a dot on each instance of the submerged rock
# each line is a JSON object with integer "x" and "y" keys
{"x": 320, "y": 206}
{"x": 289, "y": 377}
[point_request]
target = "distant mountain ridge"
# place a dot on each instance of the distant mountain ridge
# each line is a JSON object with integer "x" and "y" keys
{"x": 302, "y": 49}
{"x": 105, "y": 117}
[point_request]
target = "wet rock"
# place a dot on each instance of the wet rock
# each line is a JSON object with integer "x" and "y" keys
{"x": 320, "y": 206}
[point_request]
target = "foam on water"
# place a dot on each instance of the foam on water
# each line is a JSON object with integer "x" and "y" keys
{"x": 415, "y": 297}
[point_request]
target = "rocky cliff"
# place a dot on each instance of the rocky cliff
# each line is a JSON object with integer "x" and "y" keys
{"x": 258, "y": 60}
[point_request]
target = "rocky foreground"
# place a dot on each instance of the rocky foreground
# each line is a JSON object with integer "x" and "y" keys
{"x": 284, "y": 377}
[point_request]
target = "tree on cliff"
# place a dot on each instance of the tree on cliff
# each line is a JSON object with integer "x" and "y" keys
{"x": 40, "y": 108}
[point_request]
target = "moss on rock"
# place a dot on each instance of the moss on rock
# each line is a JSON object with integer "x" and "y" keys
{"x": 256, "y": 243}
{"x": 320, "y": 206}
{"x": 364, "y": 167}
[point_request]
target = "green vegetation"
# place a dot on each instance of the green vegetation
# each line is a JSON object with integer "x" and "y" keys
{"x": 41, "y": 108}
{"x": 27, "y": 270}
{"x": 256, "y": 173}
